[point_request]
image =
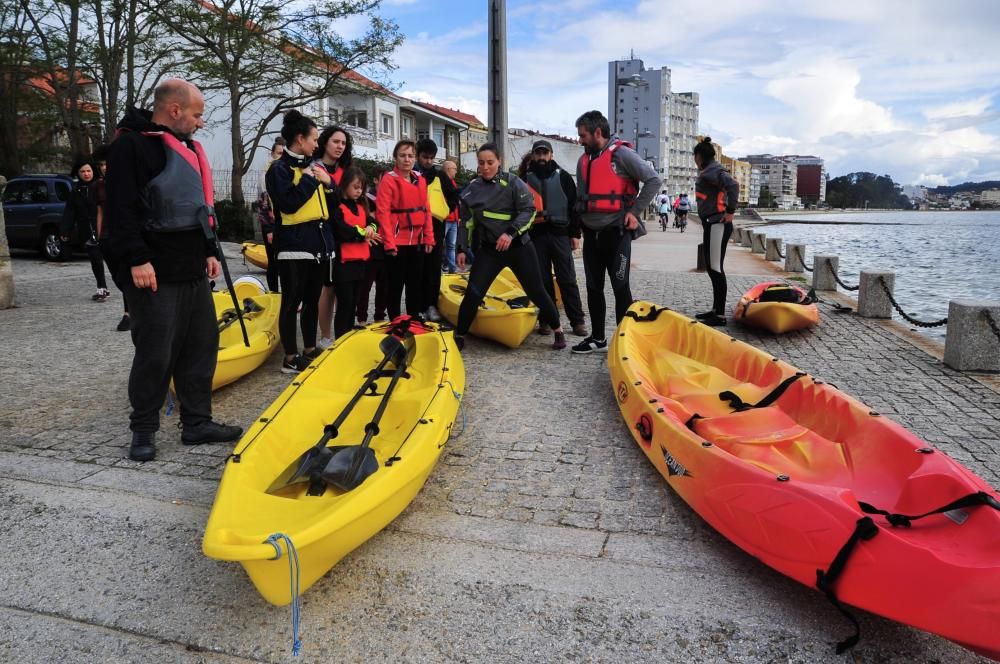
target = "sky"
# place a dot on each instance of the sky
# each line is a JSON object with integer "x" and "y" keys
{"x": 910, "y": 89}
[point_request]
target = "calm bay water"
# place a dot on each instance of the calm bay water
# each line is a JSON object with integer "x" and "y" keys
{"x": 937, "y": 255}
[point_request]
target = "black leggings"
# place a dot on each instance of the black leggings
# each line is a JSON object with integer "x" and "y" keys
{"x": 521, "y": 259}
{"x": 432, "y": 268}
{"x": 608, "y": 250}
{"x": 301, "y": 283}
{"x": 406, "y": 270}
{"x": 273, "y": 280}
{"x": 346, "y": 284}
{"x": 97, "y": 265}
{"x": 715, "y": 237}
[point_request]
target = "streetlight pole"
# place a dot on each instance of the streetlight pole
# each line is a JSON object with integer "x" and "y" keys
{"x": 498, "y": 74}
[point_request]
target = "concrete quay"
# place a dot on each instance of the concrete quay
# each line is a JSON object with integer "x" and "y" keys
{"x": 543, "y": 534}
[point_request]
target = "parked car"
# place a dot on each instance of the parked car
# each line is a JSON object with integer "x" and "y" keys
{"x": 33, "y": 207}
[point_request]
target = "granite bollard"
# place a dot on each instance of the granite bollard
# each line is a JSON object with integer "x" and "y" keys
{"x": 971, "y": 344}
{"x": 794, "y": 254}
{"x": 757, "y": 243}
{"x": 745, "y": 238}
{"x": 872, "y": 300}
{"x": 824, "y": 269}
{"x": 773, "y": 251}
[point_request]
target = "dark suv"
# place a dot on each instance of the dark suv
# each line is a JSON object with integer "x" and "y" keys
{"x": 32, "y": 208}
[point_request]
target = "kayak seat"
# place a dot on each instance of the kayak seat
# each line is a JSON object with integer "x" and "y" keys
{"x": 696, "y": 385}
{"x": 771, "y": 440}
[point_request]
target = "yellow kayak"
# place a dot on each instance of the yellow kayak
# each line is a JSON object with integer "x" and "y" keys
{"x": 260, "y": 314}
{"x": 271, "y": 484}
{"x": 255, "y": 254}
{"x": 505, "y": 315}
{"x": 508, "y": 274}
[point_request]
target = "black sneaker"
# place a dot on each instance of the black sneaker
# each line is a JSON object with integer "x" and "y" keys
{"x": 706, "y": 314}
{"x": 460, "y": 342}
{"x": 314, "y": 353}
{"x": 295, "y": 365}
{"x": 143, "y": 447}
{"x": 590, "y": 345}
{"x": 210, "y": 432}
{"x": 715, "y": 320}
{"x": 124, "y": 324}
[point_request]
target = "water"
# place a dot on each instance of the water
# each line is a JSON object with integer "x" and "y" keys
{"x": 937, "y": 255}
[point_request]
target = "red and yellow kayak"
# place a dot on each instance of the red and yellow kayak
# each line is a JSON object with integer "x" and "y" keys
{"x": 777, "y": 306}
{"x": 791, "y": 469}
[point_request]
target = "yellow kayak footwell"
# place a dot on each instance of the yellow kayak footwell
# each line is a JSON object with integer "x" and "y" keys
{"x": 325, "y": 528}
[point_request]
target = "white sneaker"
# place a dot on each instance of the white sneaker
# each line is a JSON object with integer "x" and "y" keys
{"x": 432, "y": 314}
{"x": 324, "y": 343}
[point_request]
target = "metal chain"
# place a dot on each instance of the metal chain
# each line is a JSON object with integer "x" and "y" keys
{"x": 802, "y": 258}
{"x": 992, "y": 323}
{"x": 907, "y": 317}
{"x": 829, "y": 266}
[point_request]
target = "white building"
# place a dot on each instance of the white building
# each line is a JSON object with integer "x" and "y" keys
{"x": 990, "y": 196}
{"x": 661, "y": 124}
{"x": 375, "y": 117}
{"x": 779, "y": 176}
{"x": 565, "y": 151}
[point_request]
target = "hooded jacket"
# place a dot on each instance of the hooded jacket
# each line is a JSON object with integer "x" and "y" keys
{"x": 134, "y": 160}
{"x": 716, "y": 191}
{"x": 295, "y": 237}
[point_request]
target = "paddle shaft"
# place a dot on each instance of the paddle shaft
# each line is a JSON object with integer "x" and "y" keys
{"x": 371, "y": 429}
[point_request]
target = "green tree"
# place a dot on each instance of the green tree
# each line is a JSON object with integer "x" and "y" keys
{"x": 766, "y": 198}
{"x": 269, "y": 56}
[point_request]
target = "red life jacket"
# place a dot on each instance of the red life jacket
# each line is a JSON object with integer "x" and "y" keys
{"x": 607, "y": 191}
{"x": 186, "y": 182}
{"x": 354, "y": 251}
{"x": 408, "y": 216}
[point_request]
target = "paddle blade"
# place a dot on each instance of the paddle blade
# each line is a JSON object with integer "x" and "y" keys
{"x": 303, "y": 469}
{"x": 350, "y": 466}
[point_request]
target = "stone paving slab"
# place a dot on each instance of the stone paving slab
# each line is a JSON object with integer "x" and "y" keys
{"x": 543, "y": 533}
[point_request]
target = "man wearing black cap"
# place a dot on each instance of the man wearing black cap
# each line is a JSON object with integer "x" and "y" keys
{"x": 555, "y": 232}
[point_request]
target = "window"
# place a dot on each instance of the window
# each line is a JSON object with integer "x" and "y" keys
{"x": 438, "y": 137}
{"x": 21, "y": 192}
{"x": 62, "y": 190}
{"x": 452, "y": 143}
{"x": 357, "y": 119}
{"x": 406, "y": 126}
{"x": 387, "y": 125}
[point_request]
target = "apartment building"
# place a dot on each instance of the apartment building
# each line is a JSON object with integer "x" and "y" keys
{"x": 659, "y": 123}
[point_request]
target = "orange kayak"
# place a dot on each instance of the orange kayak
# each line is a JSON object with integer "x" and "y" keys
{"x": 798, "y": 474}
{"x": 777, "y": 306}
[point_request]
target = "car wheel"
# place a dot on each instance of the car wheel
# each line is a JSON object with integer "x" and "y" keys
{"x": 53, "y": 248}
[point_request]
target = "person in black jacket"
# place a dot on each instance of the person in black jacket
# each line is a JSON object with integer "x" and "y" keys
{"x": 355, "y": 231}
{"x": 298, "y": 186}
{"x": 556, "y": 232}
{"x": 158, "y": 209}
{"x": 717, "y": 193}
{"x": 79, "y": 221}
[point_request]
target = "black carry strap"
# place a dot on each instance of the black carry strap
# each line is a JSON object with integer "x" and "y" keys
{"x": 645, "y": 318}
{"x": 519, "y": 302}
{"x": 864, "y": 529}
{"x": 739, "y": 405}
{"x": 972, "y": 500}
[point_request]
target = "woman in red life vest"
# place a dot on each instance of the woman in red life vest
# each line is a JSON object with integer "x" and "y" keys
{"x": 407, "y": 229}
{"x": 355, "y": 230}
{"x": 334, "y": 151}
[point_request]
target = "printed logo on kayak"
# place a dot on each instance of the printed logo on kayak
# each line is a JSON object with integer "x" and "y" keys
{"x": 673, "y": 466}
{"x": 622, "y": 392}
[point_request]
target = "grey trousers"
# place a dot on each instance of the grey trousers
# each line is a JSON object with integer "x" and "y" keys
{"x": 176, "y": 335}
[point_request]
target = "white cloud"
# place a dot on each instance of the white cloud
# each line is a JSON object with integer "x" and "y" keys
{"x": 960, "y": 109}
{"x": 931, "y": 180}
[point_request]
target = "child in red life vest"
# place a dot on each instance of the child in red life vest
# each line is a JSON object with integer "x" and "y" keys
{"x": 355, "y": 231}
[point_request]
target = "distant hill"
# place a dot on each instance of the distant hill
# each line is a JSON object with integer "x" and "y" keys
{"x": 965, "y": 186}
